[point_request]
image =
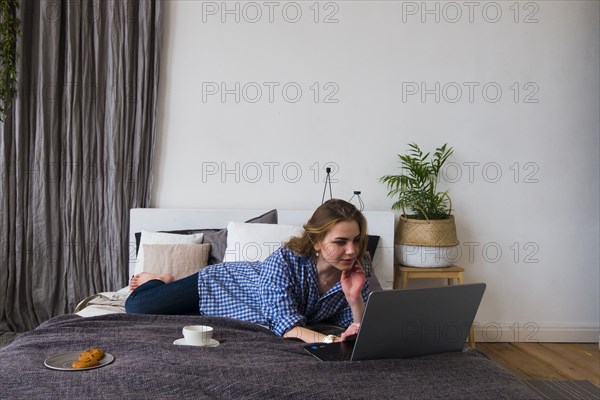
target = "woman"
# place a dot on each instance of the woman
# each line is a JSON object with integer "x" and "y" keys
{"x": 316, "y": 277}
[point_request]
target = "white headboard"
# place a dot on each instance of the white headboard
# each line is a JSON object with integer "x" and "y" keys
{"x": 380, "y": 223}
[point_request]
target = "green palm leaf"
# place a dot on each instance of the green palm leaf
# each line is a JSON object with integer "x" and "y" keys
{"x": 416, "y": 186}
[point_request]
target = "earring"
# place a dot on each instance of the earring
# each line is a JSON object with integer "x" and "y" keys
{"x": 317, "y": 254}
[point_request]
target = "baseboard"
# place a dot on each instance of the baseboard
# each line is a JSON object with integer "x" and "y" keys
{"x": 535, "y": 332}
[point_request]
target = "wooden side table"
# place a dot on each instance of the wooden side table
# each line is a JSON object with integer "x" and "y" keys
{"x": 402, "y": 274}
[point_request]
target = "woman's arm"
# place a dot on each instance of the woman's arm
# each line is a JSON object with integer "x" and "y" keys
{"x": 353, "y": 285}
{"x": 353, "y": 282}
{"x": 358, "y": 308}
{"x": 304, "y": 334}
{"x": 277, "y": 290}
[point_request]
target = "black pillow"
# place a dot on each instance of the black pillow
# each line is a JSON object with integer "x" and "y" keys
{"x": 372, "y": 245}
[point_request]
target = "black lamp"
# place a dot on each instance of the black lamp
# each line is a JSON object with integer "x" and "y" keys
{"x": 360, "y": 202}
{"x": 327, "y": 183}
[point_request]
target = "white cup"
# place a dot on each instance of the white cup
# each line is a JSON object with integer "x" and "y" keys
{"x": 198, "y": 335}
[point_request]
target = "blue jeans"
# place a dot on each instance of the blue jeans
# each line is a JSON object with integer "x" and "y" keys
{"x": 157, "y": 297}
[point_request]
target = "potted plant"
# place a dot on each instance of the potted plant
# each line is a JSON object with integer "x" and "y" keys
{"x": 427, "y": 236}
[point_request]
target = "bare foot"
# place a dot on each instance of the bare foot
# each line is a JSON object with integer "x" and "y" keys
{"x": 143, "y": 277}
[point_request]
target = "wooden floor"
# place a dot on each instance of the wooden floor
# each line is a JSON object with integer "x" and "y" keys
{"x": 547, "y": 361}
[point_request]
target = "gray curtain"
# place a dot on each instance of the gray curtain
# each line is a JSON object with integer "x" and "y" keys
{"x": 76, "y": 152}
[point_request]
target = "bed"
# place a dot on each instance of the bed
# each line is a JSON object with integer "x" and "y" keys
{"x": 249, "y": 362}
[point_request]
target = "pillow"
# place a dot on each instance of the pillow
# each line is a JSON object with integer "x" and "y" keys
{"x": 270, "y": 217}
{"x": 162, "y": 238}
{"x": 217, "y": 238}
{"x": 374, "y": 283}
{"x": 179, "y": 260}
{"x": 255, "y": 242}
{"x": 372, "y": 245}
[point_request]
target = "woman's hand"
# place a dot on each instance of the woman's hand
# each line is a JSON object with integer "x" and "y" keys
{"x": 352, "y": 282}
{"x": 351, "y": 332}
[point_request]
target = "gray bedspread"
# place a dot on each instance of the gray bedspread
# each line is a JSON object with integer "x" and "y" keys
{"x": 250, "y": 363}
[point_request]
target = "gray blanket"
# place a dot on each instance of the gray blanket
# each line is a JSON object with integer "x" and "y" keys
{"x": 250, "y": 363}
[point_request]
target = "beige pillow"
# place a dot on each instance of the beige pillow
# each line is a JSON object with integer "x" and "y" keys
{"x": 163, "y": 238}
{"x": 179, "y": 260}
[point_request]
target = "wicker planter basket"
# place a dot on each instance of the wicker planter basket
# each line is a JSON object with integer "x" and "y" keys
{"x": 426, "y": 243}
{"x": 417, "y": 232}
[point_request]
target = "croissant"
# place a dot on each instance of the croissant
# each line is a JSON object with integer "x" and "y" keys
{"x": 89, "y": 358}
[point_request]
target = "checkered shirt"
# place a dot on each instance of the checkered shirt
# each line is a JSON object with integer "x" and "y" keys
{"x": 280, "y": 293}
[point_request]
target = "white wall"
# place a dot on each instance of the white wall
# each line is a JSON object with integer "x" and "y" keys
{"x": 524, "y": 178}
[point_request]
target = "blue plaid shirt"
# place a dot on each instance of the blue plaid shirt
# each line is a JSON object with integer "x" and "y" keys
{"x": 280, "y": 293}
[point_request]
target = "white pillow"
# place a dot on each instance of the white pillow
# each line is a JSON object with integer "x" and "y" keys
{"x": 163, "y": 238}
{"x": 255, "y": 242}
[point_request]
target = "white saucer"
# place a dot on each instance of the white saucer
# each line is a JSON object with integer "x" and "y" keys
{"x": 212, "y": 343}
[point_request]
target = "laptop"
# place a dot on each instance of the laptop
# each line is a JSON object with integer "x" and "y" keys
{"x": 407, "y": 323}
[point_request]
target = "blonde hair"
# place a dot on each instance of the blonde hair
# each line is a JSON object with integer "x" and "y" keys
{"x": 323, "y": 219}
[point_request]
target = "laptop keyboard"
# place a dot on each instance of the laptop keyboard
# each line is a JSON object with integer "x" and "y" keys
{"x": 341, "y": 351}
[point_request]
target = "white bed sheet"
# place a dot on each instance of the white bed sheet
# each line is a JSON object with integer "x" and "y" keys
{"x": 103, "y": 303}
